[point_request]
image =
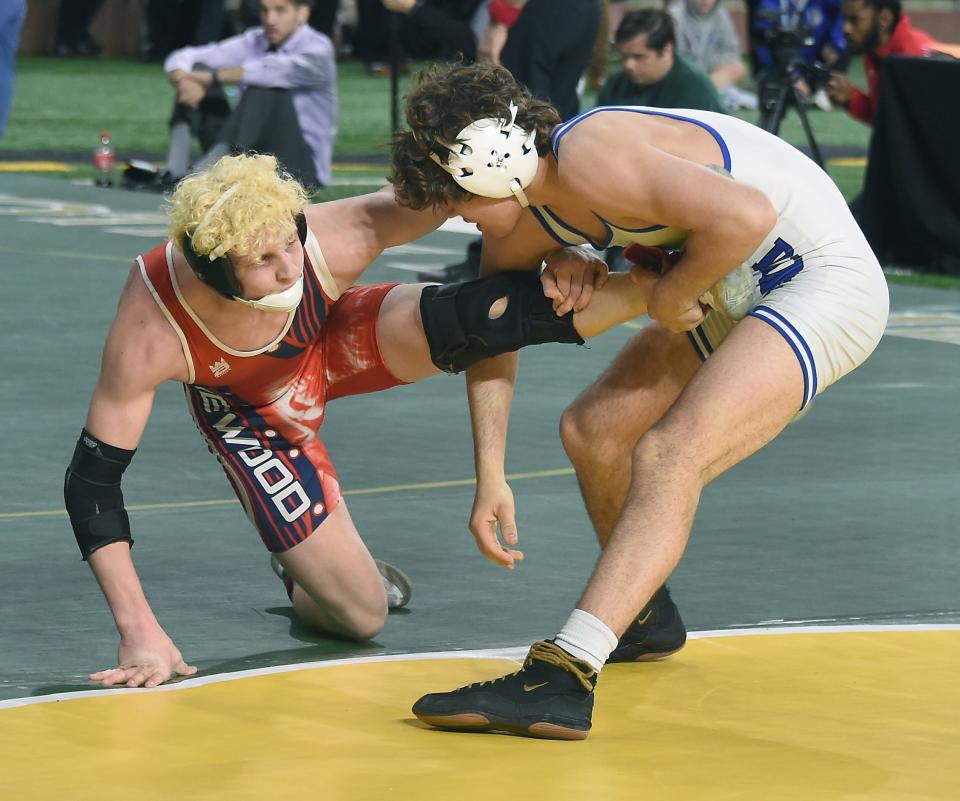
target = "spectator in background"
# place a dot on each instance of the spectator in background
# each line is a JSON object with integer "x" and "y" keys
{"x": 616, "y": 11}
{"x": 323, "y": 16}
{"x": 246, "y": 14}
{"x": 874, "y": 29}
{"x": 173, "y": 24}
{"x": 73, "y": 24}
{"x": 442, "y": 30}
{"x": 653, "y": 74}
{"x": 373, "y": 42}
{"x": 600, "y": 55}
{"x": 707, "y": 38}
{"x": 546, "y": 45}
{"x": 12, "y": 13}
{"x": 548, "y": 49}
{"x": 286, "y": 76}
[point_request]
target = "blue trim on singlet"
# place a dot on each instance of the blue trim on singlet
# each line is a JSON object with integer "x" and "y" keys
{"x": 696, "y": 346}
{"x": 561, "y": 130}
{"x": 608, "y": 226}
{"x": 571, "y": 229}
{"x": 797, "y": 343}
{"x": 549, "y": 229}
{"x": 701, "y": 343}
{"x": 307, "y": 320}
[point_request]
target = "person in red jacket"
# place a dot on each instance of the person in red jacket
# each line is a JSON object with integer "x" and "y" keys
{"x": 876, "y": 29}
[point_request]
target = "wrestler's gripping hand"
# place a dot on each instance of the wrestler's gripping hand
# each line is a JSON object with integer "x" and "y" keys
{"x": 145, "y": 660}
{"x": 493, "y": 507}
{"x": 570, "y": 278}
{"x": 674, "y": 308}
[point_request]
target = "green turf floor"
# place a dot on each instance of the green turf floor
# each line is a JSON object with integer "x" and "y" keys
{"x": 62, "y": 104}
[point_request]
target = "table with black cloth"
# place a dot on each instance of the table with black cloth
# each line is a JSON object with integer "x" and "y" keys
{"x": 910, "y": 209}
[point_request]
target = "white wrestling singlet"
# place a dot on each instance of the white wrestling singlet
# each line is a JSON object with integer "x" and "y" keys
{"x": 814, "y": 278}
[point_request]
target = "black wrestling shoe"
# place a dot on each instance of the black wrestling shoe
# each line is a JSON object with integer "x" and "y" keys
{"x": 142, "y": 176}
{"x": 551, "y": 696}
{"x": 658, "y": 631}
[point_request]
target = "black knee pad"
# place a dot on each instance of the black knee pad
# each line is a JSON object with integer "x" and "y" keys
{"x": 460, "y": 332}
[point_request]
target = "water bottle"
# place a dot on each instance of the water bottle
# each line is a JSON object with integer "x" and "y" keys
{"x": 103, "y": 159}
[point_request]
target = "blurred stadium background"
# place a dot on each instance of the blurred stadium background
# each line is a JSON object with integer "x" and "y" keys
{"x": 60, "y": 105}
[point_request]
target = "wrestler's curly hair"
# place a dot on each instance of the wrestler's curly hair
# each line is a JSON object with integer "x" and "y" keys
{"x": 241, "y": 203}
{"x": 445, "y": 100}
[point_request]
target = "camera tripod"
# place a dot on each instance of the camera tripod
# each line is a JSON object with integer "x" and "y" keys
{"x": 777, "y": 92}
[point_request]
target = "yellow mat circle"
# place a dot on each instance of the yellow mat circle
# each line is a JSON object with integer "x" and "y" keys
{"x": 870, "y": 715}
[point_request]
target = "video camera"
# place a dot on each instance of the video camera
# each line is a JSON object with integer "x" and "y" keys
{"x": 782, "y": 28}
{"x": 784, "y": 32}
{"x": 817, "y": 74}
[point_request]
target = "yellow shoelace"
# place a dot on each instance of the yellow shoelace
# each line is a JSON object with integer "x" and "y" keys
{"x": 543, "y": 651}
{"x": 553, "y": 654}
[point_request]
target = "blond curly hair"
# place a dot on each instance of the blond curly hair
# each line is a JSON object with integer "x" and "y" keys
{"x": 241, "y": 203}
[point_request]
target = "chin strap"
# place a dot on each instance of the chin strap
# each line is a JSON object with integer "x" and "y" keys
{"x": 285, "y": 301}
{"x": 518, "y": 193}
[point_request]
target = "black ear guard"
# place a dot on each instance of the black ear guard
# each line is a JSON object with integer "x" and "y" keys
{"x": 301, "y": 222}
{"x": 218, "y": 273}
{"x": 215, "y": 273}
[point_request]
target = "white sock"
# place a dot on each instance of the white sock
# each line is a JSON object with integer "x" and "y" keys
{"x": 588, "y": 638}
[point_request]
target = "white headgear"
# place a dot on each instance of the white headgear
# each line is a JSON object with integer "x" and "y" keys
{"x": 493, "y": 158}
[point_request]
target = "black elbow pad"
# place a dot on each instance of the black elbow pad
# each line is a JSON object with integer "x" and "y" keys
{"x": 91, "y": 492}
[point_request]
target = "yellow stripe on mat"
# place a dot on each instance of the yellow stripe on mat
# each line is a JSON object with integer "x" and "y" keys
{"x": 869, "y": 715}
{"x": 35, "y": 166}
{"x": 851, "y": 161}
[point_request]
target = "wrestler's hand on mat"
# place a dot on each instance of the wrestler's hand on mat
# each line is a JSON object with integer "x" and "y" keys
{"x": 145, "y": 661}
{"x": 493, "y": 506}
{"x": 673, "y": 308}
{"x": 570, "y": 277}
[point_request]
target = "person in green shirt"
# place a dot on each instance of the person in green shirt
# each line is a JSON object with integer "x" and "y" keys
{"x": 653, "y": 74}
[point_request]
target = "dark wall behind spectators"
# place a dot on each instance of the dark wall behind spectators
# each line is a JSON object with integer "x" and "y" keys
{"x": 117, "y": 27}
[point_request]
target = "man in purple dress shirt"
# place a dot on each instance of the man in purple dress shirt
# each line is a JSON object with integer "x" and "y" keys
{"x": 286, "y": 76}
